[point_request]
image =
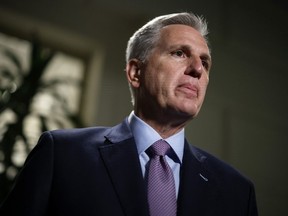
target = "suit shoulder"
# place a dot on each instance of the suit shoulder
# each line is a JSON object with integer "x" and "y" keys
{"x": 77, "y": 134}
{"x": 79, "y": 131}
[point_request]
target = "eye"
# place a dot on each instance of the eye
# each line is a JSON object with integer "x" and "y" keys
{"x": 179, "y": 53}
{"x": 206, "y": 64}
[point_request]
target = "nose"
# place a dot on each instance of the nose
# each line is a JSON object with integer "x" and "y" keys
{"x": 195, "y": 67}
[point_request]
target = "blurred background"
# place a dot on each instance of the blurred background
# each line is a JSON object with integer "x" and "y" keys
{"x": 62, "y": 65}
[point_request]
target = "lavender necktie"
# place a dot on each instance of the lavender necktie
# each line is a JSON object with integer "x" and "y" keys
{"x": 160, "y": 182}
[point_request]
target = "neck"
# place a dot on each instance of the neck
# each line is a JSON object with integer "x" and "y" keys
{"x": 164, "y": 125}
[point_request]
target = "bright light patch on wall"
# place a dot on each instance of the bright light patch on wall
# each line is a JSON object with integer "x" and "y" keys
{"x": 40, "y": 89}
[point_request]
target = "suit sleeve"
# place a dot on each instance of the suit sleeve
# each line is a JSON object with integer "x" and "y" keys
{"x": 30, "y": 194}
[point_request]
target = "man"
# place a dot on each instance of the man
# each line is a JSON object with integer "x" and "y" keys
{"x": 112, "y": 171}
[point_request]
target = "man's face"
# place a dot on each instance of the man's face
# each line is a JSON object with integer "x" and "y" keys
{"x": 175, "y": 76}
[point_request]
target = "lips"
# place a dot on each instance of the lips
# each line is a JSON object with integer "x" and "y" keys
{"x": 189, "y": 89}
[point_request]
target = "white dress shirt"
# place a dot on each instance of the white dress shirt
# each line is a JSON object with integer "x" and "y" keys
{"x": 145, "y": 136}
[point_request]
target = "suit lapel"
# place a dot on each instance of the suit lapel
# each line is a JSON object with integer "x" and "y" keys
{"x": 122, "y": 162}
{"x": 197, "y": 185}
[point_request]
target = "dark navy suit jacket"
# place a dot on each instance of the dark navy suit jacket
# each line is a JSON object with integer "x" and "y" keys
{"x": 96, "y": 171}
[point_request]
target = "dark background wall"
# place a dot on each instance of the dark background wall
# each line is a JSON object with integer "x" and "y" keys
{"x": 244, "y": 118}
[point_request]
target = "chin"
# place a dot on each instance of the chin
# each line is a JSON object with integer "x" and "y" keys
{"x": 187, "y": 114}
{"x": 191, "y": 110}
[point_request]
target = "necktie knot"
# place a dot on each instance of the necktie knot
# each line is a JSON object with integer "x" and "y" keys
{"x": 159, "y": 148}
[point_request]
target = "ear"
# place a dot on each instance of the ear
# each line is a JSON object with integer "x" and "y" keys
{"x": 133, "y": 72}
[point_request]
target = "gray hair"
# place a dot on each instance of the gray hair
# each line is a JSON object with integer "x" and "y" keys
{"x": 144, "y": 39}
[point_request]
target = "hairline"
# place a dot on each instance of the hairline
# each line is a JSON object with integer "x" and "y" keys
{"x": 154, "y": 27}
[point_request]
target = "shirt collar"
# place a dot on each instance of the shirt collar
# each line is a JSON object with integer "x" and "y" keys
{"x": 145, "y": 136}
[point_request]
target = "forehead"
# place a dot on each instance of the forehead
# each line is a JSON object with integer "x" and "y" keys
{"x": 182, "y": 34}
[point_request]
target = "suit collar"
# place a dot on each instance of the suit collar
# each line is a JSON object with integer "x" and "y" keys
{"x": 197, "y": 184}
{"x": 119, "y": 132}
{"x": 198, "y": 187}
{"x": 122, "y": 162}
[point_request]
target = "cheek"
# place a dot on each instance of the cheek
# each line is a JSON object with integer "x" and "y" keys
{"x": 154, "y": 76}
{"x": 150, "y": 84}
{"x": 161, "y": 77}
{"x": 203, "y": 86}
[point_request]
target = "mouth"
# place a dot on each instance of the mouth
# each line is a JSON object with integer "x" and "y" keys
{"x": 189, "y": 90}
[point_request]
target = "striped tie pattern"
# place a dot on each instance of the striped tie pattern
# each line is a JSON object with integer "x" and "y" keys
{"x": 160, "y": 182}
